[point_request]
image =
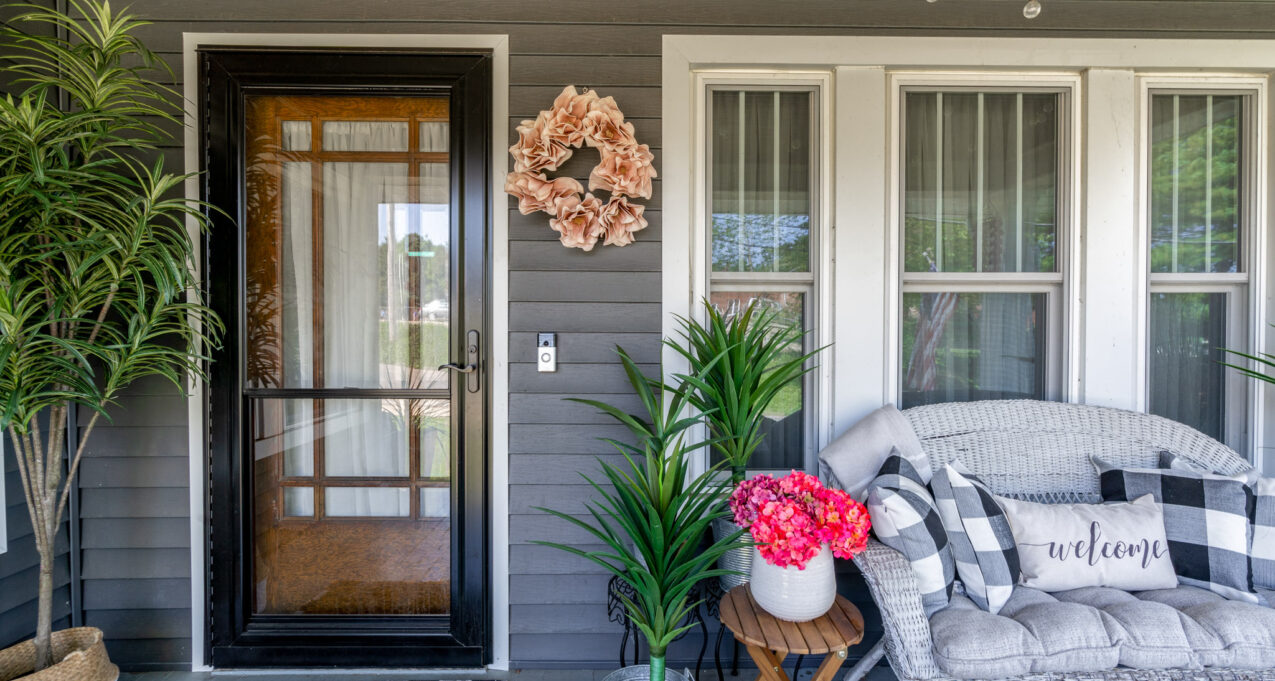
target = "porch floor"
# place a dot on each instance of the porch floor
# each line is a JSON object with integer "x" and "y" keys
{"x": 880, "y": 673}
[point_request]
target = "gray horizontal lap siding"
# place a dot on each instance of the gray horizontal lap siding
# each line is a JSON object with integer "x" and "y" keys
{"x": 135, "y": 529}
{"x": 136, "y": 555}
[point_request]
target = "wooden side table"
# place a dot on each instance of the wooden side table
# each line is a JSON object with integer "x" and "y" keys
{"x": 770, "y": 640}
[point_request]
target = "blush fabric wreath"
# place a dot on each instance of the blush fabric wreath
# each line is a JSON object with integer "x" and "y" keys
{"x": 625, "y": 171}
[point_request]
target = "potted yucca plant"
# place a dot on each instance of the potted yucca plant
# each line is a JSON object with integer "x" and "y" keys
{"x": 97, "y": 283}
{"x": 741, "y": 358}
{"x": 653, "y": 515}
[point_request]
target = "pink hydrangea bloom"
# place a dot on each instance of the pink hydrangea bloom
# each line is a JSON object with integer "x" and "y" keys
{"x": 794, "y": 516}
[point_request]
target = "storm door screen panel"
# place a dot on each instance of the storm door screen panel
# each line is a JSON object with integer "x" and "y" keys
{"x": 348, "y": 303}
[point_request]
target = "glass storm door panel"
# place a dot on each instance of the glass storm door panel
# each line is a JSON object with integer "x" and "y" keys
{"x": 349, "y": 302}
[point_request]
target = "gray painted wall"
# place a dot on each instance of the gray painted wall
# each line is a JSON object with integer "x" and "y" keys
{"x": 135, "y": 557}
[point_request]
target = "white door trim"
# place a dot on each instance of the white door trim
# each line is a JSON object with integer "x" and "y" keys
{"x": 499, "y": 424}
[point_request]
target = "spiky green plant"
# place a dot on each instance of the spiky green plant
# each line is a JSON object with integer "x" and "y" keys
{"x": 97, "y": 283}
{"x": 1263, "y": 368}
{"x": 740, "y": 359}
{"x": 654, "y": 516}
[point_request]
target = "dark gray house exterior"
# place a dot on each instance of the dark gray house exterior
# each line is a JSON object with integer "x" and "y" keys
{"x": 136, "y": 566}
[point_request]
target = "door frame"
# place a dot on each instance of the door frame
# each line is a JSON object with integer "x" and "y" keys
{"x": 368, "y": 64}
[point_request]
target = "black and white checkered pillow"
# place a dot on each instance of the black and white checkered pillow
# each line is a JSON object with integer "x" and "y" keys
{"x": 1206, "y": 520}
{"x": 905, "y": 518}
{"x": 1262, "y": 545}
{"x": 982, "y": 542}
{"x": 1262, "y": 555}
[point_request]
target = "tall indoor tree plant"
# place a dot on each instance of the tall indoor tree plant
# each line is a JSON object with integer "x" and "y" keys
{"x": 652, "y": 514}
{"x": 98, "y": 286}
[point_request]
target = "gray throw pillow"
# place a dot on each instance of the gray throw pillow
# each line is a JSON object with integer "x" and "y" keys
{"x": 852, "y": 460}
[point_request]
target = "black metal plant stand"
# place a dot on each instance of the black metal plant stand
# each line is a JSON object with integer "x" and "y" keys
{"x": 709, "y": 592}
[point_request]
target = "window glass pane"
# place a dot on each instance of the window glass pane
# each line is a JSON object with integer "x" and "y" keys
{"x": 365, "y": 136}
{"x": 783, "y": 427}
{"x": 959, "y": 347}
{"x": 433, "y": 135}
{"x": 1187, "y": 383}
{"x": 761, "y": 199}
{"x": 296, "y": 135}
{"x": 366, "y": 502}
{"x": 981, "y": 182}
{"x": 436, "y": 502}
{"x": 433, "y": 421}
{"x": 298, "y": 502}
{"x": 365, "y": 438}
{"x": 1196, "y": 164}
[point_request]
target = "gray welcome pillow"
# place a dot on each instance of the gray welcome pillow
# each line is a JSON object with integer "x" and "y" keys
{"x": 1068, "y": 546}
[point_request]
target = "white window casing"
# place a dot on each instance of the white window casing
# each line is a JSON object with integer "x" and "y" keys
{"x": 1099, "y": 339}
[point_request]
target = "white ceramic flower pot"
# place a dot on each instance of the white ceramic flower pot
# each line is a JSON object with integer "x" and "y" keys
{"x": 793, "y": 594}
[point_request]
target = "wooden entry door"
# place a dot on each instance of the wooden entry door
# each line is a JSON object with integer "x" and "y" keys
{"x": 357, "y": 461}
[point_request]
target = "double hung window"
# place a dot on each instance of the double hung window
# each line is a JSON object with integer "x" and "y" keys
{"x": 1197, "y": 209}
{"x": 983, "y": 196}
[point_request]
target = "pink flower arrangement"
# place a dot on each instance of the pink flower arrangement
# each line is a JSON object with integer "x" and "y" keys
{"x": 794, "y": 516}
{"x": 625, "y": 170}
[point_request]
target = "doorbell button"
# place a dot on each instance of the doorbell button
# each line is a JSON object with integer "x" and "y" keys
{"x": 547, "y": 359}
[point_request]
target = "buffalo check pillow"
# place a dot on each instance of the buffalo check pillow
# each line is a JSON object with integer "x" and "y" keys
{"x": 905, "y": 518}
{"x": 982, "y": 542}
{"x": 1262, "y": 546}
{"x": 1206, "y": 521}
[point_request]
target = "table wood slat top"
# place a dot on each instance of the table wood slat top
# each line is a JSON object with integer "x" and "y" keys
{"x": 838, "y": 629}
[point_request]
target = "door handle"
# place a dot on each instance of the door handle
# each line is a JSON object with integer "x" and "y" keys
{"x": 452, "y": 366}
{"x": 470, "y": 368}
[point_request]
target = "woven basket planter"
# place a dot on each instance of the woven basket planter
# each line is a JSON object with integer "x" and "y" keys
{"x": 81, "y": 651}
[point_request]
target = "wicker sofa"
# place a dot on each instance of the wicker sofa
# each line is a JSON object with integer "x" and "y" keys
{"x": 1036, "y": 451}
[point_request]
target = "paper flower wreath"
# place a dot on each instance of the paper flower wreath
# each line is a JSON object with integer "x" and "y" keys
{"x": 625, "y": 171}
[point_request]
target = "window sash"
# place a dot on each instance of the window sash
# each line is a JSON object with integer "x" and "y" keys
{"x": 1062, "y": 189}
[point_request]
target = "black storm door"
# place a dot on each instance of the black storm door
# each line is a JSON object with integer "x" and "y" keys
{"x": 348, "y": 406}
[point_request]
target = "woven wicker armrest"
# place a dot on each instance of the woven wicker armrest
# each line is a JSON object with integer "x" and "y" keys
{"x": 907, "y": 629}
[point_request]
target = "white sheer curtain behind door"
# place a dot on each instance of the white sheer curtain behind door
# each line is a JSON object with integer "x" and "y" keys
{"x": 361, "y": 436}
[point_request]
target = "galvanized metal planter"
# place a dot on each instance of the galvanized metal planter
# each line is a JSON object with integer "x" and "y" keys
{"x": 642, "y": 672}
{"x": 740, "y": 559}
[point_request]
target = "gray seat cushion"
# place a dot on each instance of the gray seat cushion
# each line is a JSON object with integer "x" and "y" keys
{"x": 1098, "y": 628}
